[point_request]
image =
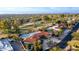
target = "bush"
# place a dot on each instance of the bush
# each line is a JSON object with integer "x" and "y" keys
{"x": 75, "y": 36}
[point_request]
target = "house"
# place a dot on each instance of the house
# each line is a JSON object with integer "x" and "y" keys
{"x": 36, "y": 36}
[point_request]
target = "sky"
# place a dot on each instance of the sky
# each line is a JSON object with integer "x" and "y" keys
{"x": 39, "y": 10}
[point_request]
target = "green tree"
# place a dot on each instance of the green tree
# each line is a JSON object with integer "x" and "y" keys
{"x": 75, "y": 35}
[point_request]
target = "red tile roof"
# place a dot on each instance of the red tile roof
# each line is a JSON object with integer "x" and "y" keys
{"x": 30, "y": 40}
{"x": 36, "y": 37}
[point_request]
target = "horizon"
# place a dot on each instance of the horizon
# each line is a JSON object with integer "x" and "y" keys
{"x": 39, "y": 10}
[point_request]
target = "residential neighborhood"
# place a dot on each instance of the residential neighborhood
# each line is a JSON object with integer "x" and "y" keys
{"x": 39, "y": 32}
